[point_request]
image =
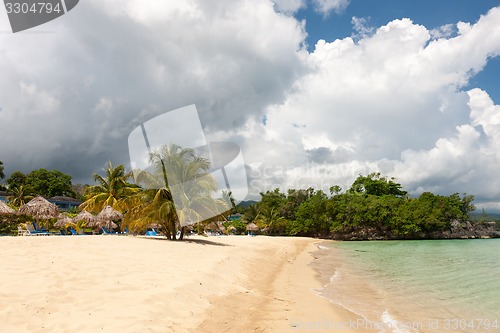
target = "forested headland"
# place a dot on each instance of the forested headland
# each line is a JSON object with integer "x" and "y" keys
{"x": 374, "y": 207}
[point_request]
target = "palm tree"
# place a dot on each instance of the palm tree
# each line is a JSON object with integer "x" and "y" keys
{"x": 251, "y": 214}
{"x": 20, "y": 196}
{"x": 181, "y": 175}
{"x": 269, "y": 218}
{"x": 113, "y": 190}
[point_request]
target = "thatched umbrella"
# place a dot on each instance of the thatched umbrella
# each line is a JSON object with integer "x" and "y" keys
{"x": 212, "y": 226}
{"x": 252, "y": 227}
{"x": 63, "y": 221}
{"x": 221, "y": 226}
{"x": 106, "y": 216}
{"x": 232, "y": 229}
{"x": 40, "y": 209}
{"x": 4, "y": 209}
{"x": 85, "y": 216}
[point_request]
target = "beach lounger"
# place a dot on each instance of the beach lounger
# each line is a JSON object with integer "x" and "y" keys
{"x": 22, "y": 232}
{"x": 151, "y": 233}
{"x": 34, "y": 232}
{"x": 107, "y": 232}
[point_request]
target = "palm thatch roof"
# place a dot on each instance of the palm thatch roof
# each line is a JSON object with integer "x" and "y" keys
{"x": 109, "y": 213}
{"x": 106, "y": 216}
{"x": 63, "y": 221}
{"x": 40, "y": 209}
{"x": 85, "y": 216}
{"x": 212, "y": 226}
{"x": 4, "y": 209}
{"x": 252, "y": 227}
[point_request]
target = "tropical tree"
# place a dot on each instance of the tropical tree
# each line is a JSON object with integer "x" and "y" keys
{"x": 271, "y": 219}
{"x": 20, "y": 195}
{"x": 16, "y": 179}
{"x": 375, "y": 184}
{"x": 251, "y": 214}
{"x": 112, "y": 190}
{"x": 177, "y": 173}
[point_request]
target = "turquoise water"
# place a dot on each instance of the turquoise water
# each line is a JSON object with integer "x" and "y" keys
{"x": 416, "y": 286}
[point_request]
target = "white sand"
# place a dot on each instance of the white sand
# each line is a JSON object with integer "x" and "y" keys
{"x": 132, "y": 284}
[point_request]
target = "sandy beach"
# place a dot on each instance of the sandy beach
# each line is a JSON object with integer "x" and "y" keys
{"x": 133, "y": 284}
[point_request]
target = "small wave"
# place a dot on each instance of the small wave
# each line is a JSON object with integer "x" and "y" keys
{"x": 394, "y": 325}
{"x": 321, "y": 247}
{"x": 335, "y": 277}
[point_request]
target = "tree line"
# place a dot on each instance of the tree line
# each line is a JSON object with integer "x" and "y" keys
{"x": 373, "y": 204}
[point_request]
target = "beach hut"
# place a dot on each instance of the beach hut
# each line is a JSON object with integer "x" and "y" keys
{"x": 40, "y": 209}
{"x": 5, "y": 210}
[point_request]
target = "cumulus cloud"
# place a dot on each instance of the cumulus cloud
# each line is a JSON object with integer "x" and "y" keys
{"x": 391, "y": 99}
{"x": 289, "y": 6}
{"x": 325, "y": 7}
{"x": 392, "y": 102}
{"x": 444, "y": 31}
{"x": 361, "y": 27}
{"x": 73, "y": 91}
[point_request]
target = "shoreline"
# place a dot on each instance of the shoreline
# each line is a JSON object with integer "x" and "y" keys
{"x": 131, "y": 284}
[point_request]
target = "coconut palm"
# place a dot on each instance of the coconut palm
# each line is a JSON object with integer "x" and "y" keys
{"x": 112, "y": 190}
{"x": 20, "y": 196}
{"x": 269, "y": 218}
{"x": 251, "y": 214}
{"x": 194, "y": 186}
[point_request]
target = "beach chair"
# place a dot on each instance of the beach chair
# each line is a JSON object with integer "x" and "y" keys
{"x": 151, "y": 233}
{"x": 34, "y": 232}
{"x": 107, "y": 232}
{"x": 21, "y": 231}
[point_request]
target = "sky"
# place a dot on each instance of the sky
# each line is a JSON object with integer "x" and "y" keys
{"x": 314, "y": 92}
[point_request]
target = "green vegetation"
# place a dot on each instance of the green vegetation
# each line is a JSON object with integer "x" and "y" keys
{"x": 373, "y": 207}
{"x": 43, "y": 182}
{"x": 112, "y": 190}
{"x": 374, "y": 204}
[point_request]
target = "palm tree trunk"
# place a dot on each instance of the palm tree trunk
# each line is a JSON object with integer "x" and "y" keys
{"x": 174, "y": 231}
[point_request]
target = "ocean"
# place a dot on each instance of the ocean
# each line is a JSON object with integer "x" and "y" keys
{"x": 415, "y": 286}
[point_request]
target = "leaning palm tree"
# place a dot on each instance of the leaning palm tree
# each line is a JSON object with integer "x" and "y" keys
{"x": 178, "y": 191}
{"x": 112, "y": 190}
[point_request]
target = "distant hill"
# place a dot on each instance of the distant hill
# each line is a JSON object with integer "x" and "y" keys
{"x": 247, "y": 203}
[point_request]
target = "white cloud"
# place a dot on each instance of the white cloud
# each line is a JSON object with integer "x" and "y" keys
{"x": 325, "y": 7}
{"x": 93, "y": 83}
{"x": 444, "y": 31}
{"x": 361, "y": 27}
{"x": 289, "y": 6}
{"x": 390, "y": 103}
